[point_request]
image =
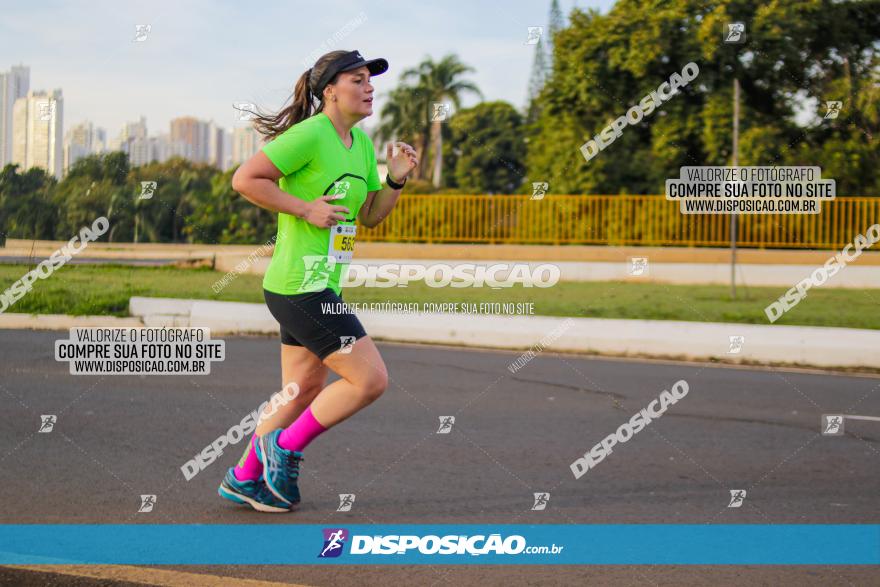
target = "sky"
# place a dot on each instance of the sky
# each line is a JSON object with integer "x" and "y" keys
{"x": 200, "y": 57}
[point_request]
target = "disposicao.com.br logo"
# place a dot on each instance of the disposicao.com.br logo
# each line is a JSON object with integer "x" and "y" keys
{"x": 458, "y": 544}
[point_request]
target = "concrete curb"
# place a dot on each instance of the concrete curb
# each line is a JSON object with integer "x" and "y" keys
{"x": 762, "y": 344}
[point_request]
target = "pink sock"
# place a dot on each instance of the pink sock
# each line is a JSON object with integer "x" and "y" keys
{"x": 298, "y": 435}
{"x": 249, "y": 467}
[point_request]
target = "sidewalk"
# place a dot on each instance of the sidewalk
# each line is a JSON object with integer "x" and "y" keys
{"x": 759, "y": 344}
{"x": 763, "y": 344}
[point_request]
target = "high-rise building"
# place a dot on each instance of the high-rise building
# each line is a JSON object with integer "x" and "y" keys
{"x": 245, "y": 143}
{"x": 158, "y": 148}
{"x": 140, "y": 151}
{"x": 99, "y": 140}
{"x": 190, "y": 138}
{"x": 227, "y": 150}
{"x": 216, "y": 146}
{"x": 14, "y": 84}
{"x": 134, "y": 141}
{"x": 37, "y": 129}
{"x": 133, "y": 130}
{"x": 83, "y": 140}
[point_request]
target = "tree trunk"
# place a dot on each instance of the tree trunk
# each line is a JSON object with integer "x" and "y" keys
{"x": 421, "y": 147}
{"x": 426, "y": 141}
{"x": 438, "y": 152}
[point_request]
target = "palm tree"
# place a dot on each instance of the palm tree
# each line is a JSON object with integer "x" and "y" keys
{"x": 410, "y": 106}
{"x": 440, "y": 82}
{"x": 400, "y": 117}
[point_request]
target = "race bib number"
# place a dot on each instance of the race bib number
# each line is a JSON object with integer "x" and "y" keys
{"x": 341, "y": 245}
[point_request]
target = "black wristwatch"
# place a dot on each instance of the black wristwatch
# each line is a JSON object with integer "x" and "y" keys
{"x": 392, "y": 184}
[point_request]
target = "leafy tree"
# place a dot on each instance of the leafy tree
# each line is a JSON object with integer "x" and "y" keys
{"x": 537, "y": 79}
{"x": 409, "y": 109}
{"x": 489, "y": 150}
{"x": 89, "y": 190}
{"x": 222, "y": 215}
{"x": 27, "y": 209}
{"x": 797, "y": 53}
{"x": 403, "y": 118}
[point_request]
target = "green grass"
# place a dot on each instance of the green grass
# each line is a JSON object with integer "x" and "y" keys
{"x": 105, "y": 290}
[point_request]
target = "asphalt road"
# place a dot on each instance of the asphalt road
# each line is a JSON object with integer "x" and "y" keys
{"x": 118, "y": 437}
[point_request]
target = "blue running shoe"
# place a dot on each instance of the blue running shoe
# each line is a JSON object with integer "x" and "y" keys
{"x": 253, "y": 493}
{"x": 280, "y": 467}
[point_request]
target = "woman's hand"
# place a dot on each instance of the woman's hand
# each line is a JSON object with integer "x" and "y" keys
{"x": 324, "y": 215}
{"x": 401, "y": 164}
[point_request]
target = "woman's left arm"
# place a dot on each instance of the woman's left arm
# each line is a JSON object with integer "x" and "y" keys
{"x": 379, "y": 204}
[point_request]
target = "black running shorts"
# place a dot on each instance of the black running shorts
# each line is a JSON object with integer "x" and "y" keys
{"x": 318, "y": 321}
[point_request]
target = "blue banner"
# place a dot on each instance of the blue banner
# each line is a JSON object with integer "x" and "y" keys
{"x": 518, "y": 544}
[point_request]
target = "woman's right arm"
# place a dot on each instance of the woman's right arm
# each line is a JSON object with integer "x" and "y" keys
{"x": 257, "y": 180}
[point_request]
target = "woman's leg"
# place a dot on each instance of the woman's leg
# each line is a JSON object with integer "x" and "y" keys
{"x": 303, "y": 367}
{"x": 299, "y": 366}
{"x": 363, "y": 379}
{"x": 303, "y": 319}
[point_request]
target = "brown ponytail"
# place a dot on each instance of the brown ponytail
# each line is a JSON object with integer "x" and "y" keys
{"x": 272, "y": 125}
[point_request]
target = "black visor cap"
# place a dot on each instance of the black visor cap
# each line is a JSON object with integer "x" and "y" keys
{"x": 347, "y": 62}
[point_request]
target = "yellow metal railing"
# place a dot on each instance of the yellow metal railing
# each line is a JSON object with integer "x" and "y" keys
{"x": 613, "y": 220}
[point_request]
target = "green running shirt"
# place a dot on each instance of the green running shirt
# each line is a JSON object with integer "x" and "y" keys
{"x": 315, "y": 162}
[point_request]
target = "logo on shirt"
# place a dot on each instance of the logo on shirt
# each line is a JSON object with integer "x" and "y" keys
{"x": 346, "y": 185}
{"x": 340, "y": 188}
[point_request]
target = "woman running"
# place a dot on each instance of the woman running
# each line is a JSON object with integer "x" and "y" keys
{"x": 328, "y": 179}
